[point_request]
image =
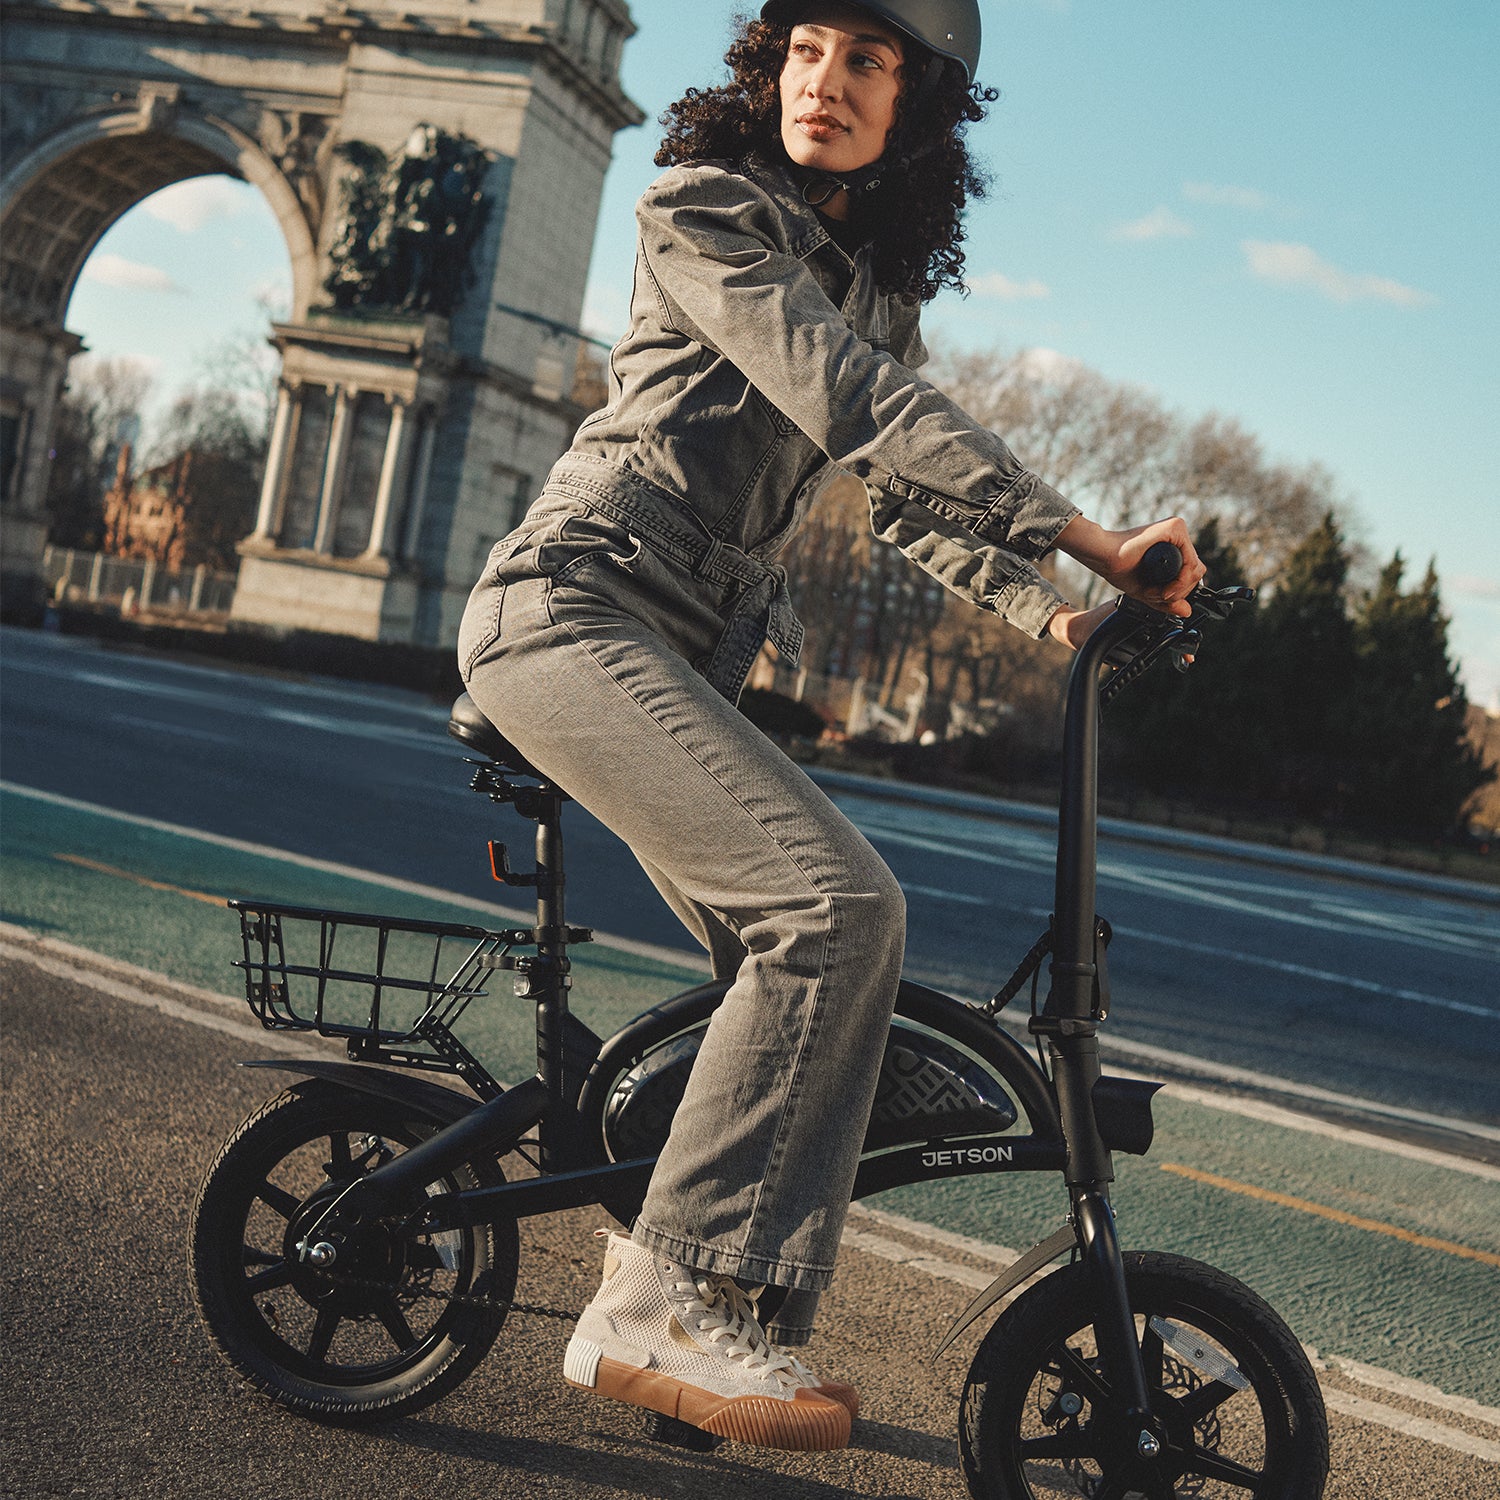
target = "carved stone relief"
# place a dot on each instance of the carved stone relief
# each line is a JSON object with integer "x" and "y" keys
{"x": 409, "y": 223}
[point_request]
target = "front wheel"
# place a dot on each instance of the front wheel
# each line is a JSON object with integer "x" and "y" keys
{"x": 1233, "y": 1394}
{"x": 397, "y": 1320}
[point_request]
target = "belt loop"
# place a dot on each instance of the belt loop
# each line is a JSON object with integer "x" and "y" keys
{"x": 705, "y": 564}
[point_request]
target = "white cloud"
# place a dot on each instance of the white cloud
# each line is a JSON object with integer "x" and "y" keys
{"x": 129, "y": 275}
{"x": 188, "y": 206}
{"x": 273, "y": 294}
{"x": 1471, "y": 586}
{"x": 1042, "y": 363}
{"x": 1221, "y": 196}
{"x": 1301, "y": 265}
{"x": 996, "y": 284}
{"x": 1159, "y": 224}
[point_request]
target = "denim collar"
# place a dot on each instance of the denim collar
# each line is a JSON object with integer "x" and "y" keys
{"x": 805, "y": 231}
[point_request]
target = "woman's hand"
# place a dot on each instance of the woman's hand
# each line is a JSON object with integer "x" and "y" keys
{"x": 1074, "y": 626}
{"x": 1115, "y": 555}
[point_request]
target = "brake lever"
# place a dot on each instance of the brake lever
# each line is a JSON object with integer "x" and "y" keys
{"x": 1217, "y": 604}
{"x": 1185, "y": 648}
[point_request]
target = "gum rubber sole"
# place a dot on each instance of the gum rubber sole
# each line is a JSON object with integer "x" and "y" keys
{"x": 808, "y": 1423}
{"x": 845, "y": 1395}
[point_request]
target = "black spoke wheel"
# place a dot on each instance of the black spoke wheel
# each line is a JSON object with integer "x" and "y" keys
{"x": 1238, "y": 1412}
{"x": 380, "y": 1331}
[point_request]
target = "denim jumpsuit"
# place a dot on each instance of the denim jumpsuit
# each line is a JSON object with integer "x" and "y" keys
{"x": 610, "y": 634}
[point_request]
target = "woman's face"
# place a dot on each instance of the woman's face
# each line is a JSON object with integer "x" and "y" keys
{"x": 839, "y": 87}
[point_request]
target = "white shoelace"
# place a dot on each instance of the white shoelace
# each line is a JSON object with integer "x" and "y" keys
{"x": 725, "y": 1314}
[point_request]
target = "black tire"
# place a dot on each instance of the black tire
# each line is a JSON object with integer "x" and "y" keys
{"x": 1036, "y": 1413}
{"x": 336, "y": 1350}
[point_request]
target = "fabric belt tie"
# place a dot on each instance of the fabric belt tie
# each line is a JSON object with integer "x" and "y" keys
{"x": 652, "y": 515}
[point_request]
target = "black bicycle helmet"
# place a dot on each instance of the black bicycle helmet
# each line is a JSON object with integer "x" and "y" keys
{"x": 949, "y": 28}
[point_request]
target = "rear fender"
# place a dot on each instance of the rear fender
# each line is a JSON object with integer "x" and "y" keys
{"x": 430, "y": 1100}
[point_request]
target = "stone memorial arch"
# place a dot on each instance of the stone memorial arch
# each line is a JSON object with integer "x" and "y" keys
{"x": 436, "y": 168}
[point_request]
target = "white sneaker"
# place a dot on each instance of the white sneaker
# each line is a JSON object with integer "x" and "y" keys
{"x": 677, "y": 1341}
{"x": 834, "y": 1390}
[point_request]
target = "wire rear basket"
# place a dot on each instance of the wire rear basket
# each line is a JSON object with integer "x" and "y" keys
{"x": 392, "y": 987}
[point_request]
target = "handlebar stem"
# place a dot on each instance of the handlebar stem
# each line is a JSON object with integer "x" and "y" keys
{"x": 1072, "y": 993}
{"x": 1068, "y": 1015}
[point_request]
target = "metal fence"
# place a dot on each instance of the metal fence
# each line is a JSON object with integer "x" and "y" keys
{"x": 135, "y": 584}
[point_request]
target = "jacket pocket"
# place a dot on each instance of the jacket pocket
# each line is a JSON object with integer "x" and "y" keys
{"x": 480, "y": 627}
{"x": 581, "y": 539}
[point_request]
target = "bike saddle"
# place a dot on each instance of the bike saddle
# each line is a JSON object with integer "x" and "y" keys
{"x": 468, "y": 725}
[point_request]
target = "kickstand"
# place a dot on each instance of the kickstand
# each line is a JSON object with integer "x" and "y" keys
{"x": 680, "y": 1434}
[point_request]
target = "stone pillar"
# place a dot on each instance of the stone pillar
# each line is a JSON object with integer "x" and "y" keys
{"x": 267, "y": 519}
{"x": 413, "y": 527}
{"x": 333, "y": 470}
{"x": 392, "y": 470}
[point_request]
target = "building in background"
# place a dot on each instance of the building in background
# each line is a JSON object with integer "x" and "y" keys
{"x": 436, "y": 168}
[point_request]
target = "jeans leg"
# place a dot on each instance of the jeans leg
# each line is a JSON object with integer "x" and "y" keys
{"x": 756, "y": 1175}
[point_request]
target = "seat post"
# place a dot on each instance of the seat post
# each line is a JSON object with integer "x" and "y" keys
{"x": 552, "y": 976}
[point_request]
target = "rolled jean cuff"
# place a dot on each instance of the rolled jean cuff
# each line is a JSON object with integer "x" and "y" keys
{"x": 717, "y": 1261}
{"x": 792, "y": 1325}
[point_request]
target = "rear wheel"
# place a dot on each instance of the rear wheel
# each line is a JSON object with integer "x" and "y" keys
{"x": 1235, "y": 1400}
{"x": 383, "y": 1329}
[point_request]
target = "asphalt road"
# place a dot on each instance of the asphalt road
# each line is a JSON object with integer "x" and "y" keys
{"x": 118, "y": 1091}
{"x": 1326, "y": 982}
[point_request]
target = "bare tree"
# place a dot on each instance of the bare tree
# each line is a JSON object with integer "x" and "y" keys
{"x": 1126, "y": 459}
{"x": 99, "y": 414}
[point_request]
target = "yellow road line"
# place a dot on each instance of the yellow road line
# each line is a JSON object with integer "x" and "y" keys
{"x": 1337, "y": 1215}
{"x": 155, "y": 885}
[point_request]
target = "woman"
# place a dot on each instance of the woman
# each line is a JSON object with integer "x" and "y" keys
{"x": 811, "y": 205}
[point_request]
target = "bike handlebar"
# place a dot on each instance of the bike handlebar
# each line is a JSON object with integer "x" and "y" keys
{"x": 1160, "y": 565}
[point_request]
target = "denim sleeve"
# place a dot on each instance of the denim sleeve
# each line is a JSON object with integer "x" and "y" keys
{"x": 714, "y": 246}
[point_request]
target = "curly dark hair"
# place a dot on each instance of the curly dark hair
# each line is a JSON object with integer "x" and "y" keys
{"x": 915, "y": 215}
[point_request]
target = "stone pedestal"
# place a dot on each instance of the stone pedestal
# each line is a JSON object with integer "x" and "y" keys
{"x": 347, "y": 476}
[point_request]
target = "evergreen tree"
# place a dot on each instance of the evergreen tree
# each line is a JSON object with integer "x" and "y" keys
{"x": 1192, "y": 733}
{"x": 1416, "y": 766}
{"x": 1300, "y": 682}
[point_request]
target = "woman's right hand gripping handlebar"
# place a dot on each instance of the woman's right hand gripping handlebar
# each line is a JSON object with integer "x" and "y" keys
{"x": 1116, "y": 557}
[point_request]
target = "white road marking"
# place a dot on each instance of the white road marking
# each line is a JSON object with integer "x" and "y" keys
{"x": 220, "y": 702}
{"x": 1347, "y": 1404}
{"x": 931, "y": 890}
{"x": 1304, "y": 971}
{"x": 178, "y": 731}
{"x": 1187, "y": 892}
{"x": 16, "y": 943}
{"x": 1417, "y": 997}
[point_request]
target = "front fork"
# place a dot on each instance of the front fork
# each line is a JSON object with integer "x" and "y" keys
{"x": 1114, "y": 1326}
{"x": 1074, "y": 1046}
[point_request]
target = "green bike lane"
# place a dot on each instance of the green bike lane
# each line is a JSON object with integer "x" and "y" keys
{"x": 1376, "y": 1254}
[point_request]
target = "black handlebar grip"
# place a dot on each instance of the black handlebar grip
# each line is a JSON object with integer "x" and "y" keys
{"x": 1161, "y": 564}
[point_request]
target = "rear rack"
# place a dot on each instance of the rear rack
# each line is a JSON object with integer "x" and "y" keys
{"x": 342, "y": 974}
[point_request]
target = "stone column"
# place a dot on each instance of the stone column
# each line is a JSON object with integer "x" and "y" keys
{"x": 392, "y": 470}
{"x": 270, "y": 487}
{"x": 413, "y": 527}
{"x": 333, "y": 470}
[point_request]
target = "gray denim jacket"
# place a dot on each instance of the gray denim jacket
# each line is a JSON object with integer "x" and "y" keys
{"x": 742, "y": 386}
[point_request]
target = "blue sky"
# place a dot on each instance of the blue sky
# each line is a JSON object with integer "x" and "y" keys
{"x": 1285, "y": 212}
